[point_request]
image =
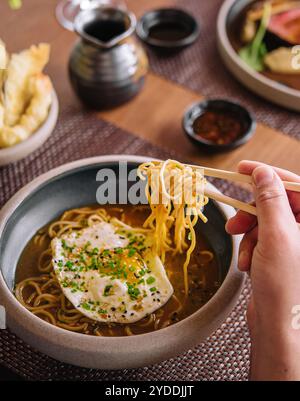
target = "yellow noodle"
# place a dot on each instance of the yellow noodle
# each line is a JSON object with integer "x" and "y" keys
{"x": 166, "y": 323}
{"x": 49, "y": 298}
{"x": 209, "y": 254}
{"x": 45, "y": 265}
{"x": 31, "y": 298}
{"x": 78, "y": 328}
{"x": 148, "y": 321}
{"x": 156, "y": 323}
{"x": 176, "y": 203}
{"x": 46, "y": 314}
{"x": 128, "y": 331}
{"x": 43, "y": 296}
{"x": 98, "y": 333}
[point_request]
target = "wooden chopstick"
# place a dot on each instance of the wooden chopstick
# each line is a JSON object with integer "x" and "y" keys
{"x": 230, "y": 201}
{"x": 237, "y": 177}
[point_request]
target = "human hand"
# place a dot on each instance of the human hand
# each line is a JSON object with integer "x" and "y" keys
{"x": 270, "y": 252}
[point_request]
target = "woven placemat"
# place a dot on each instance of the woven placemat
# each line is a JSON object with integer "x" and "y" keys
{"x": 201, "y": 69}
{"x": 224, "y": 356}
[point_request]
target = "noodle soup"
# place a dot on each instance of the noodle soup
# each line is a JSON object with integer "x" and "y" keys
{"x": 39, "y": 290}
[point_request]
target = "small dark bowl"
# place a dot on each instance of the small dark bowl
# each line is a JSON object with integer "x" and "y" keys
{"x": 197, "y": 109}
{"x": 173, "y": 29}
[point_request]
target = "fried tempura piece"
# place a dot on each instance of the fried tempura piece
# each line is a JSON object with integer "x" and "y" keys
{"x": 19, "y": 70}
{"x": 1, "y": 117}
{"x": 3, "y": 64}
{"x": 281, "y": 61}
{"x": 40, "y": 90}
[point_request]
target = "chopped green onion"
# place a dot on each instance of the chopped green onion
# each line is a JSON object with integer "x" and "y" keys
{"x": 107, "y": 290}
{"x": 150, "y": 280}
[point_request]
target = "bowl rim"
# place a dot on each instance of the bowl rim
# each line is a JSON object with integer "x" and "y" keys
{"x": 167, "y": 44}
{"x": 228, "y": 292}
{"x": 36, "y": 139}
{"x": 226, "y": 50}
{"x": 241, "y": 140}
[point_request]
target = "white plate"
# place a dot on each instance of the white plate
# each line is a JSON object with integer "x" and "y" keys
{"x": 23, "y": 149}
{"x": 263, "y": 86}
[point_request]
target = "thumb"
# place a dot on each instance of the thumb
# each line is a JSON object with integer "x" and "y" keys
{"x": 274, "y": 213}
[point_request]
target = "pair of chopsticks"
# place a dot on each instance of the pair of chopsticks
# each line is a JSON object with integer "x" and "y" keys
{"x": 240, "y": 178}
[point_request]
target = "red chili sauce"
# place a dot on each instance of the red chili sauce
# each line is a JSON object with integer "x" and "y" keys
{"x": 218, "y": 127}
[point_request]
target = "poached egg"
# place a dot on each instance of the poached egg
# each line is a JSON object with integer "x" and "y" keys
{"x": 110, "y": 275}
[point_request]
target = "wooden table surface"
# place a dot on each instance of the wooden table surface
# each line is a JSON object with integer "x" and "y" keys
{"x": 155, "y": 114}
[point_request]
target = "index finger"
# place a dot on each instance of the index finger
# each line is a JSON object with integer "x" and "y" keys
{"x": 247, "y": 167}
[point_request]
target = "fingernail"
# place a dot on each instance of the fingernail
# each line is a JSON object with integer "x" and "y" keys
{"x": 243, "y": 262}
{"x": 263, "y": 176}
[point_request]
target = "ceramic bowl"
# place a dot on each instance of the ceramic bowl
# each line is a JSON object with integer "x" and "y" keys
{"x": 166, "y": 21}
{"x": 261, "y": 85}
{"x": 246, "y": 119}
{"x": 36, "y": 140}
{"x": 73, "y": 185}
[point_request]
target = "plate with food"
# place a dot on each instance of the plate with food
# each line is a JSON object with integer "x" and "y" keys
{"x": 122, "y": 284}
{"x": 28, "y": 102}
{"x": 259, "y": 42}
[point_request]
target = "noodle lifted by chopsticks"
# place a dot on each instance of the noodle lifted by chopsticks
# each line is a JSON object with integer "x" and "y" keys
{"x": 175, "y": 193}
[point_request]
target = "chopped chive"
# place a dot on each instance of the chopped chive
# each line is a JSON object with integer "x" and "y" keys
{"x": 150, "y": 280}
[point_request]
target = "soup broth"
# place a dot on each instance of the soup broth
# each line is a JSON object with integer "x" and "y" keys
{"x": 203, "y": 273}
{"x": 169, "y": 31}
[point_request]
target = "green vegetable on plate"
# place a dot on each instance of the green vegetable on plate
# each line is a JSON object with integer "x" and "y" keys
{"x": 15, "y": 4}
{"x": 254, "y": 53}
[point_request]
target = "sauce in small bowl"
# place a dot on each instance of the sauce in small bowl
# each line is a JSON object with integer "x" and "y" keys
{"x": 168, "y": 29}
{"x": 218, "y": 125}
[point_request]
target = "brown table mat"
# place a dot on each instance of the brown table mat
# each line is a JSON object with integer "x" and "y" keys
{"x": 201, "y": 69}
{"x": 224, "y": 356}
